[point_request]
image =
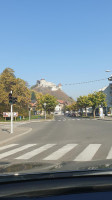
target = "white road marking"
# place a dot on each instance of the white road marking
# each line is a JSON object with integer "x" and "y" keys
{"x": 11, "y": 152}
{"x": 7, "y": 146}
{"x": 78, "y": 119}
{"x": 60, "y": 152}
{"x": 109, "y": 154}
{"x": 35, "y": 152}
{"x": 88, "y": 152}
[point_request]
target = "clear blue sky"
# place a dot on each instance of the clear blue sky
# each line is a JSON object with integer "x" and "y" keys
{"x": 63, "y": 41}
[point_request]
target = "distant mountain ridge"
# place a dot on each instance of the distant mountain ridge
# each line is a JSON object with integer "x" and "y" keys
{"x": 43, "y": 87}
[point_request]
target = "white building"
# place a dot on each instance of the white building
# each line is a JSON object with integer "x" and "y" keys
{"x": 44, "y": 83}
{"x": 108, "y": 91}
{"x": 59, "y": 107}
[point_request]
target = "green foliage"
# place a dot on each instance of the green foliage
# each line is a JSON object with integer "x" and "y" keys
{"x": 92, "y": 100}
{"x": 96, "y": 99}
{"x": 9, "y": 82}
{"x": 83, "y": 102}
{"x": 33, "y": 95}
{"x": 50, "y": 101}
{"x": 72, "y": 107}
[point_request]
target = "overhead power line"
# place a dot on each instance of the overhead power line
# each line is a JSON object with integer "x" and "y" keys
{"x": 92, "y": 81}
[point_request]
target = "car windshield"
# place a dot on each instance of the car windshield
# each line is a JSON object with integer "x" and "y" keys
{"x": 55, "y": 85}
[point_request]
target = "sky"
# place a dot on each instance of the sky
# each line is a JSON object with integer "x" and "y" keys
{"x": 62, "y": 41}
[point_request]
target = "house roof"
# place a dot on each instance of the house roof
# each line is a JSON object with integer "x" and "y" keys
{"x": 33, "y": 104}
{"x": 59, "y": 84}
{"x": 61, "y": 101}
{"x": 103, "y": 88}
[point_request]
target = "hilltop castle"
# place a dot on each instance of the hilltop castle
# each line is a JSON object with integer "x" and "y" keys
{"x": 44, "y": 83}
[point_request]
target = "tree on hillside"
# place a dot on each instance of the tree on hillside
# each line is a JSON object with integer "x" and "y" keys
{"x": 83, "y": 102}
{"x": 96, "y": 99}
{"x": 50, "y": 101}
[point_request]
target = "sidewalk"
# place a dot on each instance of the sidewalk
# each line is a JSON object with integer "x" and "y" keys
{"x": 6, "y": 136}
{"x": 19, "y": 130}
{"x": 106, "y": 118}
{"x": 26, "y": 121}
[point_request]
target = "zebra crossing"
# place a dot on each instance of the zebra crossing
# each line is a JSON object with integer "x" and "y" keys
{"x": 34, "y": 150}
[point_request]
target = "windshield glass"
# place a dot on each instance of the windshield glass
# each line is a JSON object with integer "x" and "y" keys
{"x": 55, "y": 85}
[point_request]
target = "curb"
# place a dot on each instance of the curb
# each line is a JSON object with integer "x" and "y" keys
{"x": 27, "y": 122}
{"x": 7, "y": 140}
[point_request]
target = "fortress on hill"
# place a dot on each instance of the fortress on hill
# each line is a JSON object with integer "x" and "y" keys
{"x": 52, "y": 86}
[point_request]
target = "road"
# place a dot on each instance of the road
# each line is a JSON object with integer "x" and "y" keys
{"x": 66, "y": 143}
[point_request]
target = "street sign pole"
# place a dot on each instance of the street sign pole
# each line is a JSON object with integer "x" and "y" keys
{"x": 11, "y": 118}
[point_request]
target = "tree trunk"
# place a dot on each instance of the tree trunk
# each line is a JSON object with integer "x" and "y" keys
{"x": 94, "y": 112}
{"x": 81, "y": 112}
{"x": 86, "y": 111}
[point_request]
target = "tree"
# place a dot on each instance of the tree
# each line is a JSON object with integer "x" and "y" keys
{"x": 33, "y": 95}
{"x": 74, "y": 106}
{"x": 50, "y": 101}
{"x": 96, "y": 99}
{"x": 83, "y": 102}
{"x": 9, "y": 82}
{"x": 38, "y": 99}
{"x": 8, "y": 79}
{"x": 22, "y": 93}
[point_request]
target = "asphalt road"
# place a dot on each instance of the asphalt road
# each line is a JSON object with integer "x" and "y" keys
{"x": 63, "y": 144}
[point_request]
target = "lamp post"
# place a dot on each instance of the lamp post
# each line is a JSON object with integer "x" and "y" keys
{"x": 45, "y": 109}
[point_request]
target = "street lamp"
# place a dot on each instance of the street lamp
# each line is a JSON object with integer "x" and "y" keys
{"x": 108, "y": 70}
{"x": 45, "y": 109}
{"x": 110, "y": 78}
